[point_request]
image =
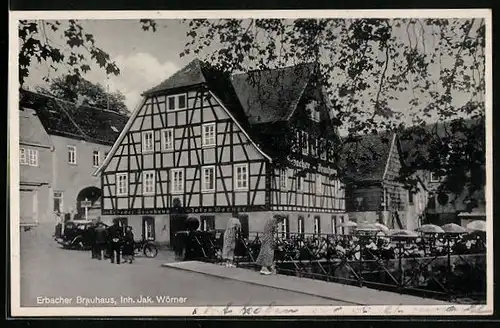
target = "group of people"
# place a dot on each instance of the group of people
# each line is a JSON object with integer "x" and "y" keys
{"x": 266, "y": 254}
{"x": 113, "y": 240}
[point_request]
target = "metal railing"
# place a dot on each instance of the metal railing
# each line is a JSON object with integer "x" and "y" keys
{"x": 450, "y": 267}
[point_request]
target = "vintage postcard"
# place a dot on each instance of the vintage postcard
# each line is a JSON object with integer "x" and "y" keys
{"x": 251, "y": 163}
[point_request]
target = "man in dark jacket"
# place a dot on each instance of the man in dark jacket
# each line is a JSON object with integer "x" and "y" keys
{"x": 115, "y": 237}
{"x": 100, "y": 239}
{"x": 90, "y": 236}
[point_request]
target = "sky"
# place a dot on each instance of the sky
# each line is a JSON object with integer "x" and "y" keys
{"x": 145, "y": 58}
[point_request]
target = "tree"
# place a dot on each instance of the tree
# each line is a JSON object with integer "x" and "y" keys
{"x": 86, "y": 93}
{"x": 377, "y": 74}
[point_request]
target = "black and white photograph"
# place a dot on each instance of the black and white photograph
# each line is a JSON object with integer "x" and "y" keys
{"x": 260, "y": 163}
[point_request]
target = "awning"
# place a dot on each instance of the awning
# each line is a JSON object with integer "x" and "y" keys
{"x": 472, "y": 214}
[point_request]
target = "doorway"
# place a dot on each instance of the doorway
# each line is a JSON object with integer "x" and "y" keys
{"x": 177, "y": 223}
{"x": 244, "y": 225}
{"x": 148, "y": 228}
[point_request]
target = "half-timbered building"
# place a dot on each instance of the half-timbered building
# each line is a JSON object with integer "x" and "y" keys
{"x": 205, "y": 144}
{"x": 374, "y": 189}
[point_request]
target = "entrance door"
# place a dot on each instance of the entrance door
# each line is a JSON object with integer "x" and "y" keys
{"x": 244, "y": 225}
{"x": 177, "y": 223}
{"x": 148, "y": 228}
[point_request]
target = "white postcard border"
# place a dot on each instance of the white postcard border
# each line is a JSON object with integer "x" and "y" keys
{"x": 393, "y": 310}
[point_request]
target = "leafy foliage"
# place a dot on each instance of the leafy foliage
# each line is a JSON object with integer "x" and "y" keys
{"x": 377, "y": 75}
{"x": 86, "y": 93}
{"x": 79, "y": 50}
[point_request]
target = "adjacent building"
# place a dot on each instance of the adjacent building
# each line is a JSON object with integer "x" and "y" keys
{"x": 61, "y": 145}
{"x": 205, "y": 144}
{"x": 374, "y": 190}
{"x": 443, "y": 205}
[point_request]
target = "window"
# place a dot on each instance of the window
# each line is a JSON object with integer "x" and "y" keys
{"x": 283, "y": 227}
{"x": 317, "y": 225}
{"x": 319, "y": 184}
{"x": 431, "y": 202}
{"x": 312, "y": 108}
{"x": 58, "y": 201}
{"x": 209, "y": 134}
{"x": 177, "y": 178}
{"x": 23, "y": 157}
{"x": 148, "y": 182}
{"x": 305, "y": 143}
{"x": 334, "y": 224}
{"x": 33, "y": 157}
{"x": 300, "y": 183}
{"x": 121, "y": 184}
{"x": 322, "y": 149}
{"x": 147, "y": 141}
{"x": 434, "y": 177}
{"x": 241, "y": 176}
{"x": 208, "y": 178}
{"x": 314, "y": 147}
{"x": 176, "y": 102}
{"x": 71, "y": 154}
{"x": 300, "y": 225}
{"x": 95, "y": 158}
{"x": 283, "y": 178}
{"x": 207, "y": 223}
{"x": 410, "y": 197}
{"x": 167, "y": 139}
{"x": 315, "y": 115}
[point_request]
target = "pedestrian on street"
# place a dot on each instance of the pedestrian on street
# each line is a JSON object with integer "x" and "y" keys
{"x": 115, "y": 238}
{"x": 128, "y": 245}
{"x": 91, "y": 239}
{"x": 101, "y": 239}
{"x": 266, "y": 254}
{"x": 233, "y": 227}
{"x": 59, "y": 222}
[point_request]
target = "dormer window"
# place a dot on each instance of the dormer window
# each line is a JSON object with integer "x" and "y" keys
{"x": 312, "y": 108}
{"x": 114, "y": 128}
{"x": 176, "y": 102}
{"x": 434, "y": 177}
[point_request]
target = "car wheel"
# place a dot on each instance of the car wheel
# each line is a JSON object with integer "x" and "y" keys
{"x": 150, "y": 251}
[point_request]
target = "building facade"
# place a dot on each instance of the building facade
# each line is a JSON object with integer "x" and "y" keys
{"x": 200, "y": 144}
{"x": 61, "y": 145}
{"x": 375, "y": 192}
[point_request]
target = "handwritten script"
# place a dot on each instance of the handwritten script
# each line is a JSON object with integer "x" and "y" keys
{"x": 274, "y": 310}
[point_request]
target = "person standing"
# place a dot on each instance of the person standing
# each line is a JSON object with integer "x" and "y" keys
{"x": 91, "y": 239}
{"x": 266, "y": 254}
{"x": 229, "y": 243}
{"x": 59, "y": 222}
{"x": 115, "y": 238}
{"x": 100, "y": 240}
{"x": 128, "y": 245}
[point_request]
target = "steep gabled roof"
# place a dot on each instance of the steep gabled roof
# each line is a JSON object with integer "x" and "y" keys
{"x": 67, "y": 119}
{"x": 272, "y": 95}
{"x": 31, "y": 130}
{"x": 364, "y": 158}
{"x": 191, "y": 74}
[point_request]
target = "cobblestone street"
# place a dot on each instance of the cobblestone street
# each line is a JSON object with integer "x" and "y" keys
{"x": 48, "y": 271}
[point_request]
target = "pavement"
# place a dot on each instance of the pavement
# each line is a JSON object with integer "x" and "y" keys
{"x": 352, "y": 295}
{"x": 50, "y": 273}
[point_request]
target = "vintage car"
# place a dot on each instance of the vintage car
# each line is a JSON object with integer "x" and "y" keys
{"x": 76, "y": 235}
